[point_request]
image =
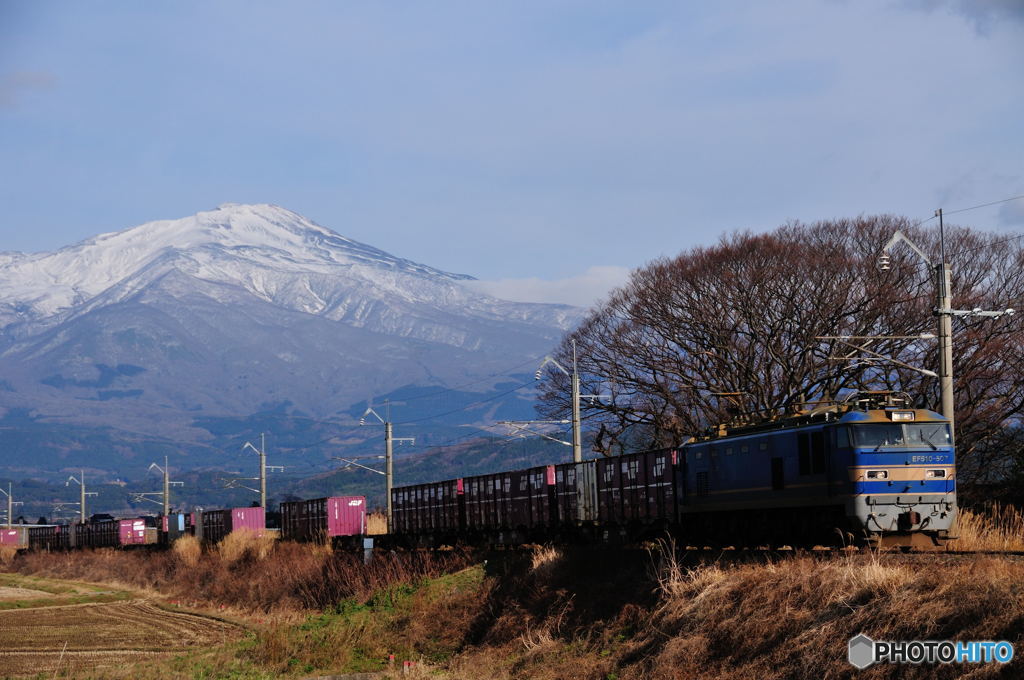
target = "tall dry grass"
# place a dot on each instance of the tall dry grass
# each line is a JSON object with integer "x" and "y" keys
{"x": 246, "y": 543}
{"x": 247, "y": 573}
{"x": 376, "y": 524}
{"x": 995, "y": 527}
{"x": 792, "y": 617}
{"x": 7, "y": 554}
{"x": 187, "y": 550}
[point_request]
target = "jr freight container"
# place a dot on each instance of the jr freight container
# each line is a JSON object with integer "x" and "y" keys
{"x": 319, "y": 519}
{"x": 134, "y": 532}
{"x": 17, "y": 536}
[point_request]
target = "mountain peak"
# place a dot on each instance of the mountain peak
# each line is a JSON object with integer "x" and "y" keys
{"x": 226, "y": 244}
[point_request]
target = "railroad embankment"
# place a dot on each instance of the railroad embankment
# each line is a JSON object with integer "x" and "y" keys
{"x": 568, "y": 613}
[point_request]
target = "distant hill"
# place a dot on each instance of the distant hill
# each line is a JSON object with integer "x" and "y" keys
{"x": 188, "y": 337}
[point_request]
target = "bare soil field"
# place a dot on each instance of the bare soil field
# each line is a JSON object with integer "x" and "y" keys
{"x": 75, "y": 639}
{"x": 8, "y": 593}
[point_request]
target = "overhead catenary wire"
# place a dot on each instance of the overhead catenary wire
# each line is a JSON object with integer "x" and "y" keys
{"x": 504, "y": 373}
{"x": 968, "y": 209}
{"x": 983, "y": 205}
{"x": 468, "y": 406}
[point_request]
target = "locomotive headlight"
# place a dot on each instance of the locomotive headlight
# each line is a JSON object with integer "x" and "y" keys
{"x": 877, "y": 474}
{"x": 901, "y": 415}
{"x": 933, "y": 474}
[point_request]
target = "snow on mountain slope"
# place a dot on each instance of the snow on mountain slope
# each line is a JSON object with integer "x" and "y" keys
{"x": 275, "y": 254}
{"x": 151, "y": 329}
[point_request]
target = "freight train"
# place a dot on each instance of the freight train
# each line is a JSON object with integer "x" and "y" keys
{"x": 339, "y": 519}
{"x": 869, "y": 470}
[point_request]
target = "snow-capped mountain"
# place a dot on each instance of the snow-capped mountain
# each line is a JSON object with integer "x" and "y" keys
{"x": 276, "y": 255}
{"x": 228, "y": 311}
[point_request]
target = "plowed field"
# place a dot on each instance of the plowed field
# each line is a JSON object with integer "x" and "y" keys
{"x": 80, "y": 637}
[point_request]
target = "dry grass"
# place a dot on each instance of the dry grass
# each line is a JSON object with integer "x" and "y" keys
{"x": 997, "y": 527}
{"x": 187, "y": 550}
{"x": 744, "y": 617}
{"x": 593, "y": 613}
{"x": 245, "y": 543}
{"x": 7, "y": 554}
{"x": 544, "y": 558}
{"x": 376, "y": 524}
{"x": 792, "y": 618}
{"x": 247, "y": 574}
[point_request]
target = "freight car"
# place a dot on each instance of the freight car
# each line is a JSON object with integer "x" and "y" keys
{"x": 174, "y": 526}
{"x": 102, "y": 533}
{"x": 213, "y": 525}
{"x": 867, "y": 470}
{"x": 340, "y": 520}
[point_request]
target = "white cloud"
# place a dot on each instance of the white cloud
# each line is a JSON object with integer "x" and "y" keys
{"x": 582, "y": 290}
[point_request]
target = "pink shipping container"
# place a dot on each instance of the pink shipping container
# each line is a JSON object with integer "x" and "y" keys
{"x": 132, "y": 532}
{"x": 248, "y": 519}
{"x": 321, "y": 518}
{"x": 17, "y": 537}
{"x": 346, "y": 516}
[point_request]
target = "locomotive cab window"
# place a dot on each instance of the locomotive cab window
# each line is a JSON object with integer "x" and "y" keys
{"x": 901, "y": 435}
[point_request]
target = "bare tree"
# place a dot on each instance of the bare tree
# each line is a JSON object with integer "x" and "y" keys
{"x": 732, "y": 331}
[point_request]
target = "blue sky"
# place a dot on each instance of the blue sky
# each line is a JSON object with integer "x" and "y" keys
{"x": 546, "y": 147}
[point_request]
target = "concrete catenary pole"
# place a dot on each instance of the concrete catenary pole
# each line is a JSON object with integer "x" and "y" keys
{"x": 577, "y": 445}
{"x": 945, "y": 314}
{"x": 388, "y": 465}
{"x": 81, "y": 487}
{"x": 263, "y": 470}
{"x": 167, "y": 489}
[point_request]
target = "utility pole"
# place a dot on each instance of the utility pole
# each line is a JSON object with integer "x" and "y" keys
{"x": 945, "y": 313}
{"x": 574, "y": 377}
{"x": 389, "y": 440}
{"x": 82, "y": 493}
{"x": 165, "y": 495}
{"x": 577, "y": 446}
{"x": 167, "y": 488}
{"x": 10, "y": 505}
{"x": 264, "y": 469}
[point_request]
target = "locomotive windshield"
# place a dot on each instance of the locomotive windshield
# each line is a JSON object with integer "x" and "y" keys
{"x": 876, "y": 436}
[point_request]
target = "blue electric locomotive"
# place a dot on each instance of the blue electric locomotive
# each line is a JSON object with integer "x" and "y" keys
{"x": 870, "y": 468}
